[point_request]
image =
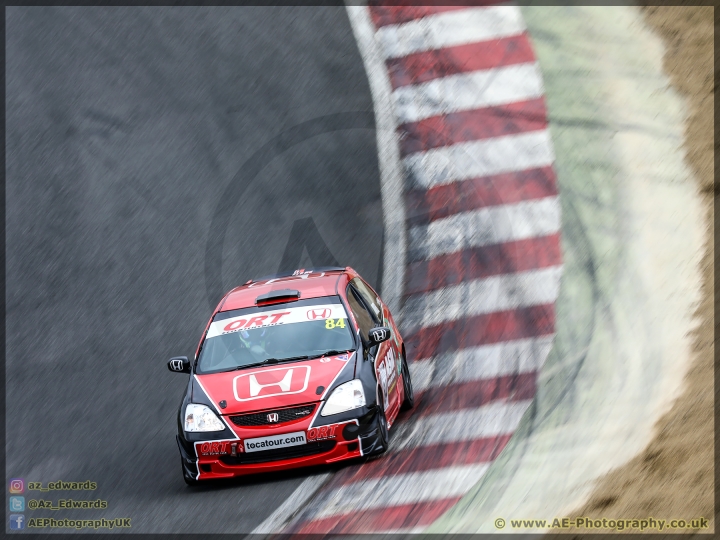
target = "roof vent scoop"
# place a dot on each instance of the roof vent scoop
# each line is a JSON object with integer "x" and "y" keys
{"x": 277, "y": 297}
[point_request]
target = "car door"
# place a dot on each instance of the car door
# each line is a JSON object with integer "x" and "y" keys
{"x": 386, "y": 359}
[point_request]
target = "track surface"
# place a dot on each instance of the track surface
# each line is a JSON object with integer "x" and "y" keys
{"x": 125, "y": 127}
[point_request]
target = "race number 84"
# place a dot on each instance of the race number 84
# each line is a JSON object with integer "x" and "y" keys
{"x": 330, "y": 323}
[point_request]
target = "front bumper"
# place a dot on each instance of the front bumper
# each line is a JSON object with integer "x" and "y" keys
{"x": 353, "y": 439}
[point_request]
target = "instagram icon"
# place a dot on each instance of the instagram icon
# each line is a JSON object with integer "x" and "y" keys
{"x": 17, "y": 485}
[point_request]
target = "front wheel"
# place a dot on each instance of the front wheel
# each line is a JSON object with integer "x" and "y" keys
{"x": 383, "y": 440}
{"x": 384, "y": 433}
{"x": 409, "y": 399}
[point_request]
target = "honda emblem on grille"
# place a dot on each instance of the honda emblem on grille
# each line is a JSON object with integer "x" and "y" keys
{"x": 273, "y": 417}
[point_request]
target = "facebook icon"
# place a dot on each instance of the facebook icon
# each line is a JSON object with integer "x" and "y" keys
{"x": 17, "y": 522}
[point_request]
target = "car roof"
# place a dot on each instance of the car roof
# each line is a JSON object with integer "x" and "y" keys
{"x": 310, "y": 283}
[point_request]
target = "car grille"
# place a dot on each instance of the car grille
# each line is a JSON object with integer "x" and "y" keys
{"x": 280, "y": 453}
{"x": 284, "y": 415}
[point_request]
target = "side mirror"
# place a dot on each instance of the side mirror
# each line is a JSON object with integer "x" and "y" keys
{"x": 179, "y": 364}
{"x": 378, "y": 335}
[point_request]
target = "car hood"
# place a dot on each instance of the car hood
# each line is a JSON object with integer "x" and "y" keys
{"x": 275, "y": 386}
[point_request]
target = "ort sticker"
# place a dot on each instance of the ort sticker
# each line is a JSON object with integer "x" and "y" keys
{"x": 277, "y": 317}
{"x": 327, "y": 432}
{"x": 215, "y": 448}
{"x": 322, "y": 432}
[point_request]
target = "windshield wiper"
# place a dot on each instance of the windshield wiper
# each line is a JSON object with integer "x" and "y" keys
{"x": 273, "y": 361}
{"x": 291, "y": 359}
{"x": 332, "y": 352}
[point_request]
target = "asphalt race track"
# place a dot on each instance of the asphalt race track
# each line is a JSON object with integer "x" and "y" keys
{"x": 147, "y": 173}
{"x": 528, "y": 215}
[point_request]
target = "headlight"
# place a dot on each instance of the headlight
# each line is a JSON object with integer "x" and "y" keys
{"x": 344, "y": 398}
{"x": 201, "y": 418}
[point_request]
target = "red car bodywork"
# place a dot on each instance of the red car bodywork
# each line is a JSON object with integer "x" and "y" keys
{"x": 217, "y": 458}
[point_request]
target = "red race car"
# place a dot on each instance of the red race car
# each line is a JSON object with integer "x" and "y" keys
{"x": 293, "y": 370}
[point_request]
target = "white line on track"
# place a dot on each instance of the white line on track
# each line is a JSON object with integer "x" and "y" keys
{"x": 274, "y": 522}
{"x": 461, "y": 161}
{"x": 400, "y": 489}
{"x": 391, "y": 172}
{"x": 467, "y": 91}
{"x": 481, "y": 296}
{"x": 485, "y": 226}
{"x": 450, "y": 29}
{"x": 484, "y": 362}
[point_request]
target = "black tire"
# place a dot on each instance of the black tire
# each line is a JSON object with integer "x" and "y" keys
{"x": 383, "y": 431}
{"x": 188, "y": 480}
{"x": 409, "y": 399}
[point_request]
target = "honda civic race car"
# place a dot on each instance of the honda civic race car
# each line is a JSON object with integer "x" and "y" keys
{"x": 293, "y": 370}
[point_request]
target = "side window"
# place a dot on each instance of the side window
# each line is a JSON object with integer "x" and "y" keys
{"x": 362, "y": 316}
{"x": 371, "y": 299}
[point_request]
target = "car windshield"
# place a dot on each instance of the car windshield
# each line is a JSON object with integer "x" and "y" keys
{"x": 274, "y": 334}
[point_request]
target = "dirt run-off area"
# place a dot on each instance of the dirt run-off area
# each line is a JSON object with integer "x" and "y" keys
{"x": 673, "y": 478}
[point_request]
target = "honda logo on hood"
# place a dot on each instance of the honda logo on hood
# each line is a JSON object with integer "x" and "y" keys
{"x": 271, "y": 382}
{"x": 273, "y": 417}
